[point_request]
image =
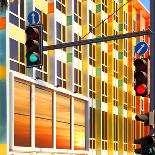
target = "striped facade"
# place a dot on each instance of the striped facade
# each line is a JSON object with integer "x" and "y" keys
{"x": 82, "y": 100}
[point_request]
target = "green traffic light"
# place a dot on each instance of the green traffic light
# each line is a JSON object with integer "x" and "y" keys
{"x": 33, "y": 58}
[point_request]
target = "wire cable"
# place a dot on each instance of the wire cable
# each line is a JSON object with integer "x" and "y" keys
{"x": 107, "y": 18}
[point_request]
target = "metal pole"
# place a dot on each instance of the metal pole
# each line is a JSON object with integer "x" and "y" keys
{"x": 97, "y": 40}
{"x": 152, "y": 55}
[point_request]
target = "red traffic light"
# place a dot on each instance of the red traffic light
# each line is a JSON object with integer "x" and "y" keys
{"x": 140, "y": 77}
{"x": 141, "y": 89}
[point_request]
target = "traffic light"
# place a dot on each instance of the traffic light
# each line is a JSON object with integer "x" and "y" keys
{"x": 34, "y": 45}
{"x": 148, "y": 142}
{"x": 147, "y": 145}
{"x": 140, "y": 77}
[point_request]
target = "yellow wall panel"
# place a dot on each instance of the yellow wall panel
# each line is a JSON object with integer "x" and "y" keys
{"x": 13, "y": 32}
{"x": 3, "y": 149}
{"x": 2, "y": 72}
{"x": 38, "y": 4}
{"x": 22, "y": 36}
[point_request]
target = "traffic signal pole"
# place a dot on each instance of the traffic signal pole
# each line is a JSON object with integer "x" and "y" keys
{"x": 152, "y": 55}
{"x": 97, "y": 40}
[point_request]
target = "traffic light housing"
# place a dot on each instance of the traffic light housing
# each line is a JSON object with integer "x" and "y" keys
{"x": 148, "y": 142}
{"x": 147, "y": 145}
{"x": 34, "y": 45}
{"x": 140, "y": 77}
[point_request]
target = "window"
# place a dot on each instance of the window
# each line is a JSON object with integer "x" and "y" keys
{"x": 92, "y": 129}
{"x": 77, "y": 11}
{"x": 22, "y": 132}
{"x": 115, "y": 68}
{"x": 104, "y": 6}
{"x": 116, "y": 41}
{"x": 104, "y": 28}
{"x": 92, "y": 55}
{"x": 125, "y": 73}
{"x": 115, "y": 99}
{"x": 13, "y": 19}
{"x": 125, "y": 100}
{"x": 17, "y": 56}
{"x": 60, "y": 34}
{"x": 116, "y": 13}
{"x": 125, "y": 21}
{"x": 91, "y": 86}
{"x": 104, "y": 92}
{"x": 134, "y": 25}
{"x": 60, "y": 5}
{"x": 63, "y": 122}
{"x": 104, "y": 61}
{"x": 92, "y": 22}
{"x": 79, "y": 125}
{"x": 61, "y": 74}
{"x": 16, "y": 15}
{"x": 14, "y": 7}
{"x": 125, "y": 134}
{"x": 104, "y": 125}
{"x": 125, "y": 47}
{"x": 115, "y": 132}
{"x": 13, "y": 49}
{"x": 77, "y": 49}
{"x": 104, "y": 130}
{"x": 43, "y": 118}
{"x": 77, "y": 81}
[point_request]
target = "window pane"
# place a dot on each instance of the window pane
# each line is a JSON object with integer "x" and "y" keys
{"x": 22, "y": 55}
{"x": 22, "y": 69}
{"x": 44, "y": 22}
{"x": 58, "y": 68}
{"x": 79, "y": 137}
{"x": 43, "y": 101}
{"x": 14, "y": 66}
{"x": 14, "y": 6}
{"x": 22, "y": 8}
{"x": 13, "y": 49}
{"x": 58, "y": 26}
{"x": 21, "y": 114}
{"x": 13, "y": 19}
{"x": 21, "y": 106}
{"x": 75, "y": 76}
{"x": 79, "y": 112}
{"x": 63, "y": 108}
{"x": 45, "y": 62}
{"x": 43, "y": 113}
{"x": 75, "y": 6}
{"x": 22, "y": 130}
{"x": 43, "y": 133}
{"x": 22, "y": 24}
{"x": 62, "y": 135}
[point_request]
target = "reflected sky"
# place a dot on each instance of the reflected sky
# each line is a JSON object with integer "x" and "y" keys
{"x": 146, "y": 3}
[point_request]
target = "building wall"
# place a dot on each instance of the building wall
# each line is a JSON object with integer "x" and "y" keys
{"x": 102, "y": 72}
{"x": 3, "y": 105}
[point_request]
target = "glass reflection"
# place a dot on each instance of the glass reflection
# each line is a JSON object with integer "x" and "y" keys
{"x": 62, "y": 135}
{"x": 79, "y": 124}
{"x": 43, "y": 120}
{"x": 21, "y": 114}
{"x": 43, "y": 133}
{"x": 63, "y": 121}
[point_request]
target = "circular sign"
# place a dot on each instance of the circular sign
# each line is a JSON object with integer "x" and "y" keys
{"x": 141, "y": 48}
{"x": 33, "y": 18}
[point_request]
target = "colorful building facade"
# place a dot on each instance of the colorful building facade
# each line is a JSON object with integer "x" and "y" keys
{"x": 82, "y": 100}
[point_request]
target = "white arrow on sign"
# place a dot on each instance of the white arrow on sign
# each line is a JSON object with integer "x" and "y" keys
{"x": 33, "y": 20}
{"x": 142, "y": 46}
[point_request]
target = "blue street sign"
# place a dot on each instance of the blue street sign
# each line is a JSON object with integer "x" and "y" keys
{"x": 33, "y": 18}
{"x": 141, "y": 48}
